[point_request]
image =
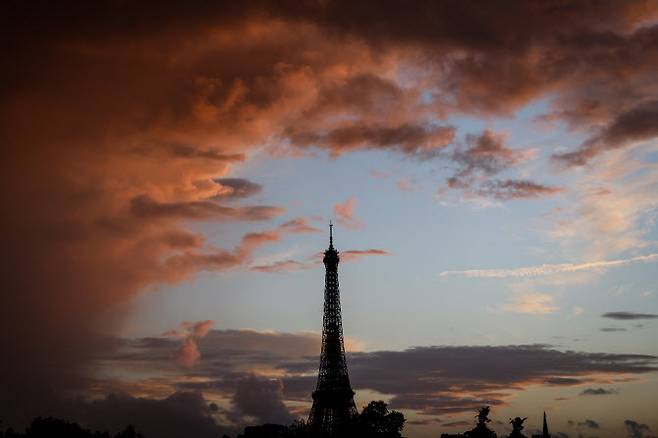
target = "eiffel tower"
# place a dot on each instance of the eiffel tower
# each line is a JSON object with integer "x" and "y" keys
{"x": 333, "y": 398}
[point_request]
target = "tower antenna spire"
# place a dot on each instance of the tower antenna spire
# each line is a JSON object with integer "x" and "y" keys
{"x": 331, "y": 234}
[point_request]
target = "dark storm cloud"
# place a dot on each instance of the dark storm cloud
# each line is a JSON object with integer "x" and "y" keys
{"x": 95, "y": 95}
{"x": 626, "y": 316}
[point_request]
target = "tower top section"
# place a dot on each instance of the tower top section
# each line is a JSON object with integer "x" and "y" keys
{"x": 331, "y": 235}
{"x": 331, "y": 255}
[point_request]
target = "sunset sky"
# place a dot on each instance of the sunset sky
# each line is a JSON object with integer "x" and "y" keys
{"x": 170, "y": 170}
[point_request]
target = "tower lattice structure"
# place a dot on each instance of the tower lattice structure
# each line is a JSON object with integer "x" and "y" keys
{"x": 333, "y": 398}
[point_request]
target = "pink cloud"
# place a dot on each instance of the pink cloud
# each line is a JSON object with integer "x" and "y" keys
{"x": 344, "y": 212}
{"x": 190, "y": 333}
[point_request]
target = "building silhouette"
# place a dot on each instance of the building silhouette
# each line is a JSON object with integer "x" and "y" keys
{"x": 544, "y": 432}
{"x": 481, "y": 429}
{"x": 333, "y": 398}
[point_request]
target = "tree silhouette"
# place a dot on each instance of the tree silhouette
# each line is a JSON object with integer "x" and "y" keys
{"x": 55, "y": 427}
{"x": 377, "y": 420}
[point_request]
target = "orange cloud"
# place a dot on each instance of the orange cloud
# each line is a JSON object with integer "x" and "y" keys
{"x": 354, "y": 254}
{"x": 344, "y": 212}
{"x": 190, "y": 333}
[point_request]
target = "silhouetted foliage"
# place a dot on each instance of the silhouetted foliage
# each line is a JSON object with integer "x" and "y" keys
{"x": 55, "y": 427}
{"x": 375, "y": 420}
{"x": 481, "y": 430}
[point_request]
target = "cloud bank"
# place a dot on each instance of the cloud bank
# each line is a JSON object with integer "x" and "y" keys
{"x": 549, "y": 269}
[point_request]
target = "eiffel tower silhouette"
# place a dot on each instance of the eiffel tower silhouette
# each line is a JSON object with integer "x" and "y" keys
{"x": 333, "y": 398}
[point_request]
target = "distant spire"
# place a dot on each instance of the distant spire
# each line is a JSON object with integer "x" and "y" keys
{"x": 331, "y": 234}
{"x": 545, "y": 430}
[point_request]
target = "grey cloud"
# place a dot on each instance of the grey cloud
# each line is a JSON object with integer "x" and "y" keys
{"x": 237, "y": 188}
{"x": 262, "y": 399}
{"x": 422, "y": 378}
{"x": 179, "y": 415}
{"x": 589, "y": 423}
{"x": 486, "y": 156}
{"x": 625, "y": 316}
{"x": 599, "y": 391}
{"x": 637, "y": 430}
{"x": 612, "y": 329}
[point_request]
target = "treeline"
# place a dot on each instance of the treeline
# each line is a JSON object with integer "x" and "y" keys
{"x": 374, "y": 421}
{"x": 55, "y": 427}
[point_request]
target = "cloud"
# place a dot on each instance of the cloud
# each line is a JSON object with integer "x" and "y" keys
{"x": 613, "y": 329}
{"x": 614, "y": 199}
{"x": 591, "y": 424}
{"x": 344, "y": 212}
{"x": 637, "y": 430}
{"x": 354, "y": 254}
{"x": 626, "y": 316}
{"x": 182, "y": 264}
{"x": 261, "y": 399}
{"x": 190, "y": 333}
{"x": 178, "y": 415}
{"x": 515, "y": 189}
{"x": 532, "y": 303}
{"x": 410, "y": 139}
{"x": 487, "y": 156}
{"x": 299, "y": 225}
{"x": 432, "y": 380}
{"x": 599, "y": 391}
{"x": 636, "y": 124}
{"x": 281, "y": 266}
{"x": 549, "y": 269}
{"x": 236, "y": 188}
{"x": 406, "y": 185}
{"x": 438, "y": 380}
{"x": 145, "y": 207}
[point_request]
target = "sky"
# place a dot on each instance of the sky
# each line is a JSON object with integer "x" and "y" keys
{"x": 170, "y": 171}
